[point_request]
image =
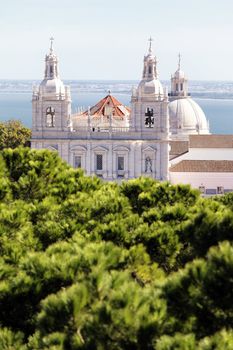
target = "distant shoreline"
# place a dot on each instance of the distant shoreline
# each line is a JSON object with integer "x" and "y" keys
{"x": 205, "y": 90}
{"x": 193, "y": 95}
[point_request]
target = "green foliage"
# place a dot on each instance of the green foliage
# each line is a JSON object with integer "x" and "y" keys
{"x": 227, "y": 199}
{"x": 219, "y": 341}
{"x": 209, "y": 224}
{"x": 146, "y": 193}
{"x": 14, "y": 134}
{"x": 5, "y": 192}
{"x": 11, "y": 340}
{"x": 201, "y": 287}
{"x": 106, "y": 310}
{"x": 177, "y": 342}
{"x": 91, "y": 265}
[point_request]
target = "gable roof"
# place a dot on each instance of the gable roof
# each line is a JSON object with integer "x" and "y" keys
{"x": 178, "y": 147}
{"x": 203, "y": 166}
{"x": 211, "y": 141}
{"x": 118, "y": 109}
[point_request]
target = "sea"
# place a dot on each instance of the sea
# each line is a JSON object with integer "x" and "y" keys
{"x": 214, "y": 97}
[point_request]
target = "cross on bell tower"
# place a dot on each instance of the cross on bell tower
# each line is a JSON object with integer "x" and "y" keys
{"x": 51, "y": 63}
{"x": 179, "y": 60}
{"x": 150, "y": 44}
{"x": 51, "y": 44}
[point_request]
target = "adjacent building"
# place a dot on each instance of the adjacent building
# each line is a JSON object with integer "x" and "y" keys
{"x": 205, "y": 162}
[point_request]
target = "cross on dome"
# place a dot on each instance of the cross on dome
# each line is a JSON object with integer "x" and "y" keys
{"x": 150, "y": 45}
{"x": 179, "y": 60}
{"x": 51, "y": 44}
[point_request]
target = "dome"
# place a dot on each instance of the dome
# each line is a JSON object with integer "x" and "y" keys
{"x": 54, "y": 86}
{"x": 187, "y": 117}
{"x": 151, "y": 87}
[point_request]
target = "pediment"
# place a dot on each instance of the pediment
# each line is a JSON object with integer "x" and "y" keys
{"x": 78, "y": 148}
{"x": 52, "y": 147}
{"x": 149, "y": 149}
{"x": 120, "y": 148}
{"x": 100, "y": 149}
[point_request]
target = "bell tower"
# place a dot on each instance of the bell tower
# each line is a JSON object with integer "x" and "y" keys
{"x": 149, "y": 101}
{"x": 150, "y": 118}
{"x": 51, "y": 101}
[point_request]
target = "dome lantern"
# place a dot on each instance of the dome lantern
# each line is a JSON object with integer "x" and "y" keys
{"x": 179, "y": 82}
{"x": 52, "y": 84}
{"x": 150, "y": 85}
{"x": 150, "y": 64}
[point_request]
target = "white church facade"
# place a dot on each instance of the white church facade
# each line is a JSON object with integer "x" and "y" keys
{"x": 111, "y": 140}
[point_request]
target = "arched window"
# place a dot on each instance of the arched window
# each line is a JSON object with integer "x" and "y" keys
{"x": 149, "y": 118}
{"x": 50, "y": 117}
{"x": 150, "y": 70}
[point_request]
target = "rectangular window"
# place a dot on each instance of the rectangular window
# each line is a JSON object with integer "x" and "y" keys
{"x": 77, "y": 161}
{"x": 202, "y": 189}
{"x": 181, "y": 87}
{"x": 99, "y": 162}
{"x": 120, "y": 163}
{"x": 211, "y": 191}
{"x": 220, "y": 190}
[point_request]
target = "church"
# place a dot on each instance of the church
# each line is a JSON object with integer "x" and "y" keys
{"x": 115, "y": 142}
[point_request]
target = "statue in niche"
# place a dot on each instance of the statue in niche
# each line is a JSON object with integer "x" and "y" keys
{"x": 148, "y": 165}
{"x": 50, "y": 117}
{"x": 69, "y": 123}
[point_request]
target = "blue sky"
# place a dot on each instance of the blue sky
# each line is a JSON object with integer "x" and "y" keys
{"x": 100, "y": 39}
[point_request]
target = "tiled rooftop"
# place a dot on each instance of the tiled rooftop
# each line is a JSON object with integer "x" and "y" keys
{"x": 211, "y": 141}
{"x": 118, "y": 110}
{"x": 178, "y": 147}
{"x": 204, "y": 166}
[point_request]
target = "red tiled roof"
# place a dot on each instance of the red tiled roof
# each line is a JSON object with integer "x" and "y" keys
{"x": 211, "y": 141}
{"x": 203, "y": 166}
{"x": 109, "y": 100}
{"x": 178, "y": 147}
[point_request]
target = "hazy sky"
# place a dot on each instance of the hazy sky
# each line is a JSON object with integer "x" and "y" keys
{"x": 100, "y": 39}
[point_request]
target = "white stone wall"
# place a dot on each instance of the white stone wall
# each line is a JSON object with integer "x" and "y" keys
{"x": 206, "y": 154}
{"x": 135, "y": 153}
{"x": 206, "y": 180}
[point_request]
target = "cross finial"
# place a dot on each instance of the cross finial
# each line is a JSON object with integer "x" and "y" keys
{"x": 51, "y": 44}
{"x": 150, "y": 45}
{"x": 179, "y": 60}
